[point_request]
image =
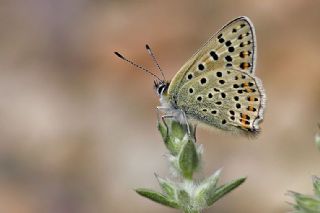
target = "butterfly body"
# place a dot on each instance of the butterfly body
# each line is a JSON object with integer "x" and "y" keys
{"x": 217, "y": 85}
{"x": 168, "y": 104}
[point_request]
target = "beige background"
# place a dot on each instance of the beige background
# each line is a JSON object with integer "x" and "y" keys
{"x": 78, "y": 126}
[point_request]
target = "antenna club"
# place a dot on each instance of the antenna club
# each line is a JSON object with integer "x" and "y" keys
{"x": 136, "y": 65}
{"x": 154, "y": 60}
{"x": 119, "y": 55}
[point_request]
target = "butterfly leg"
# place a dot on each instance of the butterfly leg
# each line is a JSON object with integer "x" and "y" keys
{"x": 159, "y": 108}
{"x": 163, "y": 117}
{"x": 164, "y": 122}
{"x": 184, "y": 117}
{"x": 186, "y": 121}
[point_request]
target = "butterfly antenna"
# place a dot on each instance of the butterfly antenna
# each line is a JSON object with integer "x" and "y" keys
{"x": 155, "y": 60}
{"x": 136, "y": 65}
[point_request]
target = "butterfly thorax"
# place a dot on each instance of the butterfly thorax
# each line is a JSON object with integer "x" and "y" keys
{"x": 167, "y": 106}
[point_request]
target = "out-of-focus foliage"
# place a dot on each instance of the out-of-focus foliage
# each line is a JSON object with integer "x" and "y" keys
{"x": 308, "y": 203}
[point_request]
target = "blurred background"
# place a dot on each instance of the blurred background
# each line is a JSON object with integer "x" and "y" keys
{"x": 78, "y": 125}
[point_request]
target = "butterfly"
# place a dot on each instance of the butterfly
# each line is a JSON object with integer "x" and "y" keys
{"x": 217, "y": 86}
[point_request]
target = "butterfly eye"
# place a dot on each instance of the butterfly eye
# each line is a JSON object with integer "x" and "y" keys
{"x": 161, "y": 89}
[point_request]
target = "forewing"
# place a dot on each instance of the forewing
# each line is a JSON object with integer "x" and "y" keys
{"x": 229, "y": 99}
{"x": 232, "y": 46}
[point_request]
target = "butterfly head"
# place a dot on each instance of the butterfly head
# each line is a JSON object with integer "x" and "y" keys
{"x": 161, "y": 87}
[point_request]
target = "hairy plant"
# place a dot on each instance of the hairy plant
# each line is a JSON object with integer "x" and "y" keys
{"x": 308, "y": 203}
{"x": 183, "y": 191}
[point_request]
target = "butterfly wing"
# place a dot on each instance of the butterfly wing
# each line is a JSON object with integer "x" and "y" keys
{"x": 226, "y": 98}
{"x": 232, "y": 46}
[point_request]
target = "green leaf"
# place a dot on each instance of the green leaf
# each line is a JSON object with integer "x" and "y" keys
{"x": 223, "y": 190}
{"x": 188, "y": 159}
{"x": 306, "y": 203}
{"x": 206, "y": 190}
{"x": 174, "y": 139}
{"x": 178, "y": 130}
{"x": 157, "y": 197}
{"x": 183, "y": 198}
{"x": 167, "y": 187}
{"x": 181, "y": 130}
{"x": 163, "y": 130}
{"x": 169, "y": 140}
{"x": 212, "y": 181}
{"x": 316, "y": 185}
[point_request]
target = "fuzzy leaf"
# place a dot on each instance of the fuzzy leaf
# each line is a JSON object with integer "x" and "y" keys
{"x": 188, "y": 159}
{"x": 183, "y": 197}
{"x": 157, "y": 197}
{"x": 178, "y": 130}
{"x": 181, "y": 130}
{"x": 207, "y": 189}
{"x": 167, "y": 187}
{"x": 223, "y": 190}
{"x": 163, "y": 130}
{"x": 169, "y": 140}
{"x": 212, "y": 181}
{"x": 305, "y": 203}
{"x": 316, "y": 185}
